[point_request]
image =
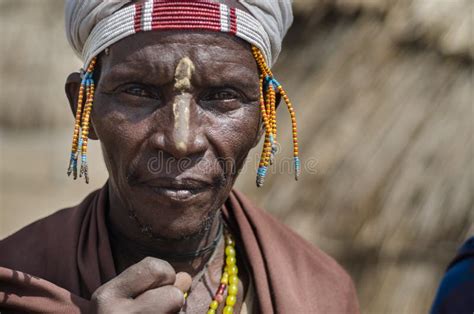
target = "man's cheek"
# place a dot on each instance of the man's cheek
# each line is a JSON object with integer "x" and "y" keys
{"x": 119, "y": 142}
{"x": 114, "y": 128}
{"x": 238, "y": 156}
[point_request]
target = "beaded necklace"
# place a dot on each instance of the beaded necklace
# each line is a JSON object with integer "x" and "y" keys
{"x": 229, "y": 280}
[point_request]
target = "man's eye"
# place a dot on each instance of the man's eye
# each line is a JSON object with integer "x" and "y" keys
{"x": 139, "y": 91}
{"x": 221, "y": 95}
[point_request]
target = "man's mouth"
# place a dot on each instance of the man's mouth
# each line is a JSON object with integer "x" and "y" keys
{"x": 179, "y": 190}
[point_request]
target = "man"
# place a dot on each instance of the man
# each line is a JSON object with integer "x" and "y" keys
{"x": 177, "y": 92}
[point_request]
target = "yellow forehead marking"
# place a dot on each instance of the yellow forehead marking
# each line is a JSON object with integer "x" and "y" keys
{"x": 182, "y": 77}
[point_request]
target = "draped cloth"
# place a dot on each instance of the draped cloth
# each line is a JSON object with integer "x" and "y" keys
{"x": 56, "y": 263}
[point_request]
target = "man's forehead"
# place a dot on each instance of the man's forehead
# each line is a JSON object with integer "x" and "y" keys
{"x": 154, "y": 60}
{"x": 166, "y": 48}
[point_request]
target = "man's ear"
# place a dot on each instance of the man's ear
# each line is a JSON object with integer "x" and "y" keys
{"x": 73, "y": 83}
{"x": 261, "y": 131}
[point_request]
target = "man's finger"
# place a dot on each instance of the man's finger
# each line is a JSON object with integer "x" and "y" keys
{"x": 183, "y": 281}
{"x": 167, "y": 299}
{"x": 147, "y": 274}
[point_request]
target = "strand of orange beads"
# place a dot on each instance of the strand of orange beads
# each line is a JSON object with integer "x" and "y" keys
{"x": 72, "y": 168}
{"x": 78, "y": 135}
{"x": 271, "y": 137}
{"x": 229, "y": 280}
{"x": 274, "y": 87}
{"x": 272, "y": 114}
{"x": 85, "y": 131}
{"x": 266, "y": 151}
{"x": 265, "y": 108}
{"x": 297, "y": 163}
{"x": 270, "y": 96}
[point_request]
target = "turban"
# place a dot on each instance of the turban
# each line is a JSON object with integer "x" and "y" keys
{"x": 93, "y": 25}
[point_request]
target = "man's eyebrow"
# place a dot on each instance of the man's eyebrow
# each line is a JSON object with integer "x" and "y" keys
{"x": 231, "y": 72}
{"x": 127, "y": 71}
{"x": 229, "y": 80}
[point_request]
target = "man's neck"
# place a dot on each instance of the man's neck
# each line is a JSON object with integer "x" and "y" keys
{"x": 188, "y": 254}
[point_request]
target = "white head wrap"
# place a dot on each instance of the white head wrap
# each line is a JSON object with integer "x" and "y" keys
{"x": 273, "y": 17}
{"x": 276, "y": 17}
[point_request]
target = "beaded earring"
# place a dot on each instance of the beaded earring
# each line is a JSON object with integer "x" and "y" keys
{"x": 269, "y": 90}
{"x": 82, "y": 123}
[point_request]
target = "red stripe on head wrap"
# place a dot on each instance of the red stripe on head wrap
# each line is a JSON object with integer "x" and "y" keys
{"x": 138, "y": 17}
{"x": 233, "y": 21}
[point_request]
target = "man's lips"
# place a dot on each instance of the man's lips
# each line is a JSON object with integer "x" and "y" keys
{"x": 177, "y": 189}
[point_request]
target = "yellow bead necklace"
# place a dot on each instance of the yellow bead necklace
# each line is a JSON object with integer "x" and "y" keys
{"x": 229, "y": 280}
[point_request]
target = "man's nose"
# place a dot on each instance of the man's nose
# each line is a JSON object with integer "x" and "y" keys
{"x": 183, "y": 137}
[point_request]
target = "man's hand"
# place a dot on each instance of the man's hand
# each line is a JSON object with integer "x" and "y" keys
{"x": 150, "y": 286}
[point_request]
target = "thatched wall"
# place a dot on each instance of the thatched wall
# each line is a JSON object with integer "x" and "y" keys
{"x": 388, "y": 119}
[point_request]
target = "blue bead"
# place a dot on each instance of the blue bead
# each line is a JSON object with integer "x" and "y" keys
{"x": 267, "y": 82}
{"x": 297, "y": 163}
{"x": 276, "y": 84}
{"x": 262, "y": 171}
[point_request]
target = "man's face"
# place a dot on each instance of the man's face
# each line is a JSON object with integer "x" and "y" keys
{"x": 176, "y": 114}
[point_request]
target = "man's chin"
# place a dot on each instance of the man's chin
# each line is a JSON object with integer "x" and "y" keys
{"x": 165, "y": 223}
{"x": 171, "y": 213}
{"x": 178, "y": 232}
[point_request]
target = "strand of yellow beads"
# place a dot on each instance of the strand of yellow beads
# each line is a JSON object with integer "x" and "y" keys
{"x": 229, "y": 280}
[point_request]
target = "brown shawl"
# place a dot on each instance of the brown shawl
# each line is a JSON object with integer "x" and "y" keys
{"x": 56, "y": 263}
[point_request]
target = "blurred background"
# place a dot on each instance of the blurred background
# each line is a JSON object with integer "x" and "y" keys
{"x": 384, "y": 96}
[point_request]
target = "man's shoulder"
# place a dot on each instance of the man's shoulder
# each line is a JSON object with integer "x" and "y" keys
{"x": 60, "y": 215}
{"x": 35, "y": 239}
{"x": 303, "y": 254}
{"x": 294, "y": 263}
{"x": 43, "y": 238}
{"x": 308, "y": 262}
